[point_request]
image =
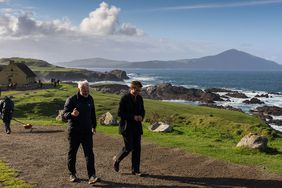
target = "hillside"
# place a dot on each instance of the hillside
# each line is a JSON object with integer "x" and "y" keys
{"x": 46, "y": 71}
{"x": 28, "y": 61}
{"x": 230, "y": 60}
{"x": 94, "y": 62}
{"x": 203, "y": 130}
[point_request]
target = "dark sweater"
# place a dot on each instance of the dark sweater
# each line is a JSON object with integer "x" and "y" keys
{"x": 129, "y": 107}
{"x": 86, "y": 120}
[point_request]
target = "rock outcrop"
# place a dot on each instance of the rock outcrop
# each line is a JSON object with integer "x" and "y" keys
{"x": 160, "y": 127}
{"x": 253, "y": 101}
{"x": 111, "y": 88}
{"x": 107, "y": 119}
{"x": 169, "y": 92}
{"x": 215, "y": 90}
{"x": 262, "y": 95}
{"x": 253, "y": 141}
{"x": 92, "y": 76}
{"x": 268, "y": 110}
{"x": 236, "y": 94}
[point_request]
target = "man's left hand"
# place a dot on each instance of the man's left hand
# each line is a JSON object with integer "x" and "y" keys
{"x": 93, "y": 130}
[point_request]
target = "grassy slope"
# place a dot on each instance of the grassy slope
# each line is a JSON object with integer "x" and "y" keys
{"x": 38, "y": 65}
{"x": 8, "y": 178}
{"x": 201, "y": 130}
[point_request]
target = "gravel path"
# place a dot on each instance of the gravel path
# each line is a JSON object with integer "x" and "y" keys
{"x": 40, "y": 158}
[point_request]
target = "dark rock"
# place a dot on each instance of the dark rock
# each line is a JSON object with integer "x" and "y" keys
{"x": 237, "y": 94}
{"x": 263, "y": 95}
{"x": 119, "y": 74}
{"x": 277, "y": 122}
{"x": 92, "y": 76}
{"x": 214, "y": 90}
{"x": 253, "y": 101}
{"x": 111, "y": 88}
{"x": 265, "y": 113}
{"x": 163, "y": 92}
{"x": 168, "y": 92}
{"x": 269, "y": 110}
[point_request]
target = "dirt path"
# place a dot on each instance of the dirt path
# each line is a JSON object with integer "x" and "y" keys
{"x": 40, "y": 157}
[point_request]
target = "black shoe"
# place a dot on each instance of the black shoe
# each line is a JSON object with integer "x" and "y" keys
{"x": 8, "y": 131}
{"x": 136, "y": 173}
{"x": 93, "y": 179}
{"x": 116, "y": 164}
{"x": 73, "y": 178}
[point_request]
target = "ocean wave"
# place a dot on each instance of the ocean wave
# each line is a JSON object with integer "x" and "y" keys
{"x": 276, "y": 127}
{"x": 107, "y": 82}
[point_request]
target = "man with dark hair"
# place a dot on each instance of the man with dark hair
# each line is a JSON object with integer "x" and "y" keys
{"x": 131, "y": 111}
{"x": 79, "y": 110}
{"x": 6, "y": 109}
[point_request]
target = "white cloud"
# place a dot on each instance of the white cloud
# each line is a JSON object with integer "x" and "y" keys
{"x": 19, "y": 24}
{"x": 60, "y": 48}
{"x": 3, "y": 1}
{"x": 102, "y": 21}
{"x": 129, "y": 29}
{"x": 105, "y": 21}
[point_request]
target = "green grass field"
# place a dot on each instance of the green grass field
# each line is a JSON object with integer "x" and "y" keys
{"x": 8, "y": 178}
{"x": 201, "y": 130}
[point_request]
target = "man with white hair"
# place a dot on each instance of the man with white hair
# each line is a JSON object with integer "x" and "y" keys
{"x": 79, "y": 110}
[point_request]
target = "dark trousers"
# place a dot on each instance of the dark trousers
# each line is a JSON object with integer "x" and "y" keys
{"x": 132, "y": 143}
{"x": 7, "y": 125}
{"x": 86, "y": 140}
{"x": 7, "y": 121}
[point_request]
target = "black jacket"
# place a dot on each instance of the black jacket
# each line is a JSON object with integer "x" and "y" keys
{"x": 86, "y": 120}
{"x": 128, "y": 108}
{"x": 6, "y": 109}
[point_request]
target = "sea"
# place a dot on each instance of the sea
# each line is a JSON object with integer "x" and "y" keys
{"x": 248, "y": 82}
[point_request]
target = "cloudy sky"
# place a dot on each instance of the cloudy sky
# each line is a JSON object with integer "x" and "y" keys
{"x": 63, "y": 30}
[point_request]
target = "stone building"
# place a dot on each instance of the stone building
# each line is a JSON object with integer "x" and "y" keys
{"x": 16, "y": 74}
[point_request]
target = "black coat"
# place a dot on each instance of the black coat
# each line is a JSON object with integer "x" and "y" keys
{"x": 128, "y": 108}
{"x": 6, "y": 109}
{"x": 86, "y": 120}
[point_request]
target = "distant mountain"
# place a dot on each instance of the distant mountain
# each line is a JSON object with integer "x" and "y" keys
{"x": 231, "y": 60}
{"x": 227, "y": 60}
{"x": 94, "y": 63}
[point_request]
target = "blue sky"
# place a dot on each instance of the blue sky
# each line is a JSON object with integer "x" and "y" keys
{"x": 63, "y": 30}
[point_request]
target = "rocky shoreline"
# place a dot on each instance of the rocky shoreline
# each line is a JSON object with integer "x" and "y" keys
{"x": 208, "y": 97}
{"x": 91, "y": 76}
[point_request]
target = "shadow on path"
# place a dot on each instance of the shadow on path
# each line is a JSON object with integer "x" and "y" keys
{"x": 35, "y": 130}
{"x": 219, "y": 182}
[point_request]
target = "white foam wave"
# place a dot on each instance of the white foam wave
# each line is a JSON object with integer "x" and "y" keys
{"x": 184, "y": 102}
{"x": 276, "y": 127}
{"x": 107, "y": 82}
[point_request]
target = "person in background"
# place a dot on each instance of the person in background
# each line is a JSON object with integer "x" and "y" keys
{"x": 79, "y": 110}
{"x": 131, "y": 111}
{"x": 6, "y": 109}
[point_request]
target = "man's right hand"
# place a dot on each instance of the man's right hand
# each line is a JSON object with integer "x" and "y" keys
{"x": 75, "y": 113}
{"x": 138, "y": 118}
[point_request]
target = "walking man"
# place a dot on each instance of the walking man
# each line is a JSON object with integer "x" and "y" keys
{"x": 79, "y": 110}
{"x": 6, "y": 109}
{"x": 131, "y": 111}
